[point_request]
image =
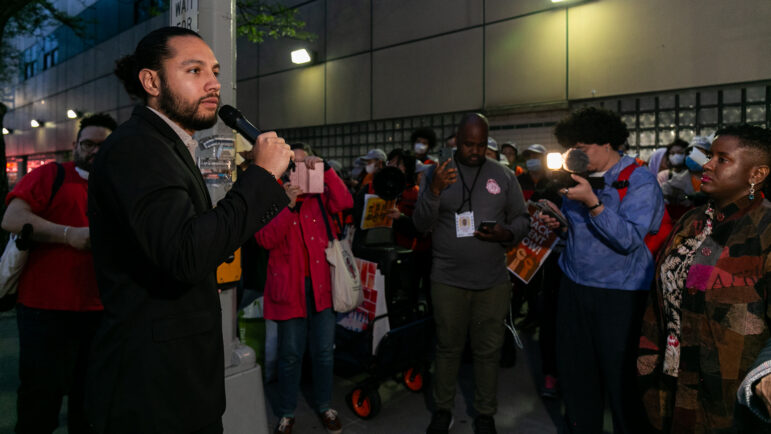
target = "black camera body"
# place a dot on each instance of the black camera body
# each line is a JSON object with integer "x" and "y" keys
{"x": 559, "y": 179}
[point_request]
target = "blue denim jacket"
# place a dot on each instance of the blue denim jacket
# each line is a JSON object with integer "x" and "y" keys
{"x": 608, "y": 250}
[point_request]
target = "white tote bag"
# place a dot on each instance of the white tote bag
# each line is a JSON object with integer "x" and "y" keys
{"x": 346, "y": 280}
{"x": 347, "y": 294}
{"x": 11, "y": 265}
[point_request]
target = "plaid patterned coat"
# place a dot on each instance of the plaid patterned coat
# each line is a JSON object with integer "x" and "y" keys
{"x": 726, "y": 316}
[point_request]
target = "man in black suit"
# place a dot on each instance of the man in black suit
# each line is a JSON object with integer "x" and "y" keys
{"x": 157, "y": 364}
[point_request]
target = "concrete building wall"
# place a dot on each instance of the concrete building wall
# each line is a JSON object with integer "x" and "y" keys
{"x": 386, "y": 59}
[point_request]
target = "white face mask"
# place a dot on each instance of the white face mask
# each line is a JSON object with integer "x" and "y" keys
{"x": 370, "y": 167}
{"x": 676, "y": 159}
{"x": 420, "y": 148}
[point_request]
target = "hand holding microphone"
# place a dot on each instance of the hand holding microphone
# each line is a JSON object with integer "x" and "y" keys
{"x": 268, "y": 151}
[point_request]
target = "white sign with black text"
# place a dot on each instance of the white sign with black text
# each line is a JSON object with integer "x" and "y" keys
{"x": 184, "y": 13}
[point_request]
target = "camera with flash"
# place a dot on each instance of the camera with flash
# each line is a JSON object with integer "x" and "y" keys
{"x": 572, "y": 162}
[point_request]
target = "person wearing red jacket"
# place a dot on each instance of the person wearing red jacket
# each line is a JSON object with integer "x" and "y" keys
{"x": 298, "y": 292}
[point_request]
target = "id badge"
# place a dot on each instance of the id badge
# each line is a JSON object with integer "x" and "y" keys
{"x": 464, "y": 224}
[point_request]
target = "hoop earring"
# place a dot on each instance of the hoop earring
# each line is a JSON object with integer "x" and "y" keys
{"x": 752, "y": 191}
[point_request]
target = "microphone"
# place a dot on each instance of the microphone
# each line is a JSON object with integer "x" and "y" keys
{"x": 235, "y": 120}
{"x": 576, "y": 161}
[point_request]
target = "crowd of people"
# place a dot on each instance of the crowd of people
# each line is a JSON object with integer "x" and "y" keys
{"x": 118, "y": 306}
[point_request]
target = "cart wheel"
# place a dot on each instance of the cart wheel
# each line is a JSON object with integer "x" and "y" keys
{"x": 413, "y": 379}
{"x": 363, "y": 404}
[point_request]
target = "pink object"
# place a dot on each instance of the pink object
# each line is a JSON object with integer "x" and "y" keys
{"x": 550, "y": 382}
{"x": 493, "y": 187}
{"x": 310, "y": 180}
{"x": 699, "y": 277}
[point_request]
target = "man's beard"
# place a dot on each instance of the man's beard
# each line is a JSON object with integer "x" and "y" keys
{"x": 83, "y": 163}
{"x": 185, "y": 114}
{"x": 470, "y": 161}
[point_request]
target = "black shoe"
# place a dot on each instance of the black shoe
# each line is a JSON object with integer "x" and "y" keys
{"x": 484, "y": 424}
{"x": 441, "y": 422}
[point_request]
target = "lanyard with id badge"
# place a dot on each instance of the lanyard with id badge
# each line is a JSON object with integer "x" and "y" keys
{"x": 464, "y": 221}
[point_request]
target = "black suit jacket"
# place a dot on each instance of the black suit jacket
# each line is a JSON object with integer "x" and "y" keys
{"x": 157, "y": 363}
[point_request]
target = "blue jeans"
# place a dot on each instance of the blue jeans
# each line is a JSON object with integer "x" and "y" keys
{"x": 317, "y": 331}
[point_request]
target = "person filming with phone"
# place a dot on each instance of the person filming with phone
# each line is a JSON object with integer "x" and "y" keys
{"x": 607, "y": 269}
{"x": 470, "y": 286}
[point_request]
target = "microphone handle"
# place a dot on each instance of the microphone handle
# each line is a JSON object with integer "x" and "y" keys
{"x": 250, "y": 132}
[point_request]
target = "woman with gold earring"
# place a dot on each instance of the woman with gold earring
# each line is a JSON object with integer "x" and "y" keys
{"x": 705, "y": 337}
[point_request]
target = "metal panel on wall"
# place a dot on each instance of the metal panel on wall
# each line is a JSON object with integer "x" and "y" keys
{"x": 619, "y": 47}
{"x": 397, "y": 21}
{"x": 348, "y": 90}
{"x": 436, "y": 75}
{"x": 525, "y": 60}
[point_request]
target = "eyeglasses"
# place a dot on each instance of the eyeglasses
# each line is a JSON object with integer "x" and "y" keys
{"x": 88, "y": 145}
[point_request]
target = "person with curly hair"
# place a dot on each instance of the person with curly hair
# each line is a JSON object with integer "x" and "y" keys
{"x": 705, "y": 336}
{"x": 607, "y": 273}
{"x": 423, "y": 140}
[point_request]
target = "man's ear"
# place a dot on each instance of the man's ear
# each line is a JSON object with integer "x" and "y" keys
{"x": 150, "y": 81}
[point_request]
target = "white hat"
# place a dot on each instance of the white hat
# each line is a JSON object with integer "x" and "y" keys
{"x": 375, "y": 154}
{"x": 702, "y": 142}
{"x": 538, "y": 149}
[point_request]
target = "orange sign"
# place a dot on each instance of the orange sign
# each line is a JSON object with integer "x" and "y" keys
{"x": 528, "y": 256}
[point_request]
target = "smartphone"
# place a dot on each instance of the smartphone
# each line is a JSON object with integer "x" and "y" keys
{"x": 548, "y": 210}
{"x": 445, "y": 154}
{"x": 486, "y": 226}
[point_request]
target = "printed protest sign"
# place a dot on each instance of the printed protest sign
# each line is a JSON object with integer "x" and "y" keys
{"x": 375, "y": 212}
{"x": 528, "y": 256}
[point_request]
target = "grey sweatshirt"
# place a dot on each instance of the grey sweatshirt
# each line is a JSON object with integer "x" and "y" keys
{"x": 468, "y": 262}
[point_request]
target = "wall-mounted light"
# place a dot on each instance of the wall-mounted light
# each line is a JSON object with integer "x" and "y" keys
{"x": 72, "y": 114}
{"x": 34, "y": 123}
{"x": 7, "y": 131}
{"x": 301, "y": 56}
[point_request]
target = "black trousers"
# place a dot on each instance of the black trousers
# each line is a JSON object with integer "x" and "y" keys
{"x": 598, "y": 331}
{"x": 547, "y": 337}
{"x": 53, "y": 351}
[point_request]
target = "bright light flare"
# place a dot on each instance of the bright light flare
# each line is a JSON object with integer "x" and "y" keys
{"x": 34, "y": 123}
{"x": 301, "y": 56}
{"x": 5, "y": 131}
{"x": 554, "y": 160}
{"x": 72, "y": 114}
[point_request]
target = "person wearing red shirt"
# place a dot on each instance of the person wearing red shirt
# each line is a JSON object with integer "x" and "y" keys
{"x": 58, "y": 306}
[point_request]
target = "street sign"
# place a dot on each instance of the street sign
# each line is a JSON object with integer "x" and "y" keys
{"x": 184, "y": 13}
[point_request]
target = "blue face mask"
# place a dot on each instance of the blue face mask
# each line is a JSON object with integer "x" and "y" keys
{"x": 692, "y": 165}
{"x": 533, "y": 164}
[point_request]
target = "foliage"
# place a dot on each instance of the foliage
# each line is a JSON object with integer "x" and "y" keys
{"x": 258, "y": 20}
{"x": 29, "y": 18}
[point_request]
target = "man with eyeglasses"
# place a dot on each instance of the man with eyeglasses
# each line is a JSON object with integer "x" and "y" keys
{"x": 58, "y": 306}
